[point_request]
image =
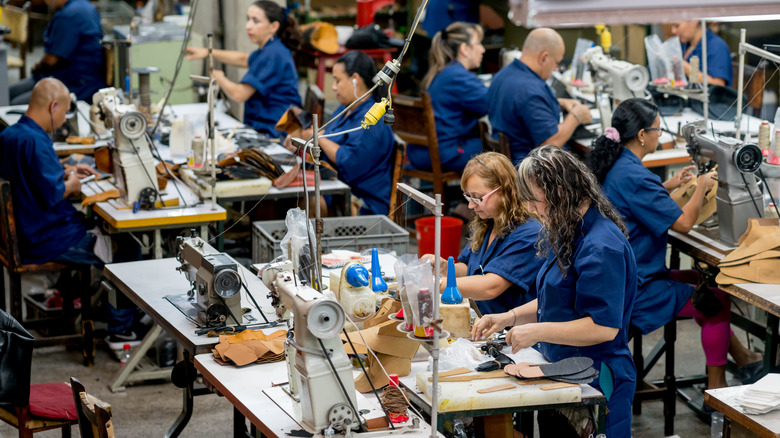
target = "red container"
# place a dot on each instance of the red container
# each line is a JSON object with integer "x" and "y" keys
{"x": 451, "y": 230}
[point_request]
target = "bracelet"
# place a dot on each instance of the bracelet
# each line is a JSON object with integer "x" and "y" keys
{"x": 514, "y": 321}
{"x": 579, "y": 121}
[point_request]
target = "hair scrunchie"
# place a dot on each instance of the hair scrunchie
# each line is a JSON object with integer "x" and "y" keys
{"x": 612, "y": 134}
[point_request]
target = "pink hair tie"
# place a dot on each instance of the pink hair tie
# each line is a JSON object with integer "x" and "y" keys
{"x": 612, "y": 134}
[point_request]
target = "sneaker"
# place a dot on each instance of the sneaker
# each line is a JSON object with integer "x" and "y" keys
{"x": 116, "y": 341}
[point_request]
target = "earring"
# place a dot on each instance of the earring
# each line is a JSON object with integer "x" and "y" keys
{"x": 643, "y": 143}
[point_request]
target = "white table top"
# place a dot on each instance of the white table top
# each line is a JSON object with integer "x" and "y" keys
{"x": 725, "y": 401}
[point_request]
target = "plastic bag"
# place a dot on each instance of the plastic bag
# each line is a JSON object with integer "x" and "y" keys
{"x": 657, "y": 62}
{"x": 297, "y": 240}
{"x": 399, "y": 267}
{"x": 461, "y": 353}
{"x": 418, "y": 282}
{"x": 673, "y": 52}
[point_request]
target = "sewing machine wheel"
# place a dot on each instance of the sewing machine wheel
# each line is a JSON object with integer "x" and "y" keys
{"x": 227, "y": 283}
{"x": 133, "y": 125}
{"x": 342, "y": 417}
{"x": 216, "y": 315}
{"x": 325, "y": 319}
{"x": 146, "y": 198}
{"x": 748, "y": 158}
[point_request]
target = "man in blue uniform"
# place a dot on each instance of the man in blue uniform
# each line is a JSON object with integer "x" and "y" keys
{"x": 719, "y": 68}
{"x": 523, "y": 106}
{"x": 72, "y": 52}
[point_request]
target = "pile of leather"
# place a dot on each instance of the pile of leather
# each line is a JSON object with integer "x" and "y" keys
{"x": 250, "y": 346}
{"x": 757, "y": 258}
{"x": 249, "y": 163}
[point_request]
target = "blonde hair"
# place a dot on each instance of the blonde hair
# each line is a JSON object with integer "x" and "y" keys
{"x": 445, "y": 45}
{"x": 496, "y": 171}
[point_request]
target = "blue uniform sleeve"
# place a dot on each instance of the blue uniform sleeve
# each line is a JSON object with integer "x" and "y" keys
{"x": 265, "y": 71}
{"x": 652, "y": 205}
{"x": 719, "y": 61}
{"x": 48, "y": 187}
{"x": 360, "y": 152}
{"x": 465, "y": 255}
{"x": 540, "y": 116}
{"x": 473, "y": 96}
{"x": 61, "y": 37}
{"x": 601, "y": 283}
{"x": 516, "y": 259}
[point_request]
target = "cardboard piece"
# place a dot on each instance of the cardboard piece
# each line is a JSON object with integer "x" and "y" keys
{"x": 757, "y": 259}
{"x": 392, "y": 364}
{"x": 250, "y": 346}
{"x": 683, "y": 194}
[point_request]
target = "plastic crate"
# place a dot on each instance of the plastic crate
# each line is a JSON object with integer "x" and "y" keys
{"x": 349, "y": 233}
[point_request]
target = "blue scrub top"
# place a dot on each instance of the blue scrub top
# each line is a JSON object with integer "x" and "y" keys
{"x": 74, "y": 35}
{"x": 648, "y": 212}
{"x": 273, "y": 75}
{"x": 523, "y": 107}
{"x": 600, "y": 283}
{"x": 364, "y": 158}
{"x": 441, "y": 13}
{"x": 47, "y": 224}
{"x": 456, "y": 116}
{"x": 718, "y": 57}
{"x": 513, "y": 257}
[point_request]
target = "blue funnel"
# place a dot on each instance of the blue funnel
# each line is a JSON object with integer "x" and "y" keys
{"x": 451, "y": 294}
{"x": 357, "y": 275}
{"x": 377, "y": 283}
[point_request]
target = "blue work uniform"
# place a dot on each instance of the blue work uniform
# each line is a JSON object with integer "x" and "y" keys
{"x": 512, "y": 257}
{"x": 47, "y": 224}
{"x": 364, "y": 158}
{"x": 74, "y": 35}
{"x": 441, "y": 13}
{"x": 273, "y": 75}
{"x": 718, "y": 57}
{"x": 456, "y": 118}
{"x": 600, "y": 283}
{"x": 648, "y": 212}
{"x": 523, "y": 107}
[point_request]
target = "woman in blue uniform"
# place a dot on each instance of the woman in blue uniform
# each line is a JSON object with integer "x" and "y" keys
{"x": 649, "y": 212}
{"x": 271, "y": 84}
{"x": 586, "y": 285}
{"x": 719, "y": 68}
{"x": 362, "y": 157}
{"x": 459, "y": 99}
{"x": 499, "y": 265}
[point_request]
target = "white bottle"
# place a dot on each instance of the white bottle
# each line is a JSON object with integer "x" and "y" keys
{"x": 125, "y": 355}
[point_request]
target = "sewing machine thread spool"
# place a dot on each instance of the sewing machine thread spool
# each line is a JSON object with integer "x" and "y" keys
{"x": 197, "y": 151}
{"x": 694, "y": 76}
{"x": 144, "y": 86}
{"x": 777, "y": 143}
{"x": 763, "y": 137}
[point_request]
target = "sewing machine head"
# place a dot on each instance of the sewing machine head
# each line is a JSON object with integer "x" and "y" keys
{"x": 215, "y": 282}
{"x": 134, "y": 172}
{"x": 739, "y": 193}
{"x": 627, "y": 80}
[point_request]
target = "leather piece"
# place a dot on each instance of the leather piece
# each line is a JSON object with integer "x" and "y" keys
{"x": 100, "y": 197}
{"x": 16, "y": 348}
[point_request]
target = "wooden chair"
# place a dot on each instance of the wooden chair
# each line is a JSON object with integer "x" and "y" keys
{"x": 396, "y": 214}
{"x": 490, "y": 144}
{"x": 94, "y": 417}
{"x": 12, "y": 261}
{"x": 415, "y": 124}
{"x": 108, "y": 53}
{"x": 314, "y": 102}
{"x": 753, "y": 87}
{"x": 18, "y": 20}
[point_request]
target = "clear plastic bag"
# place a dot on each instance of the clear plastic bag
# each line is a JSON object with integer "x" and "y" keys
{"x": 297, "y": 240}
{"x": 418, "y": 282}
{"x": 673, "y": 52}
{"x": 657, "y": 62}
{"x": 399, "y": 267}
{"x": 461, "y": 353}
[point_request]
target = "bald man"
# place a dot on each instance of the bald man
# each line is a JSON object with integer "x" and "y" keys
{"x": 523, "y": 106}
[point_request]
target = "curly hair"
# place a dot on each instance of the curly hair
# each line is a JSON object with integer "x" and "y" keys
{"x": 567, "y": 185}
{"x": 630, "y": 117}
{"x": 496, "y": 171}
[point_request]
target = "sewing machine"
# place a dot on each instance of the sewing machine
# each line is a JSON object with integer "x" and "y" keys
{"x": 739, "y": 194}
{"x": 134, "y": 172}
{"x": 322, "y": 383}
{"x": 627, "y": 80}
{"x": 216, "y": 284}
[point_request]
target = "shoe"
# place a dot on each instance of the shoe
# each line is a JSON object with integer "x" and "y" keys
{"x": 117, "y": 341}
{"x": 751, "y": 372}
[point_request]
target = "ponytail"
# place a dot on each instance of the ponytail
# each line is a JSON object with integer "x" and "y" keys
{"x": 288, "y": 32}
{"x": 445, "y": 45}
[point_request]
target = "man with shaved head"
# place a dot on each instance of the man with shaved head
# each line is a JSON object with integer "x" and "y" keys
{"x": 523, "y": 106}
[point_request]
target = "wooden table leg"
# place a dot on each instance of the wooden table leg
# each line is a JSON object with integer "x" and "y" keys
{"x": 726, "y": 427}
{"x": 495, "y": 426}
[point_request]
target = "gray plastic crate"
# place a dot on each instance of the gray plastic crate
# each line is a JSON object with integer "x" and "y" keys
{"x": 350, "y": 233}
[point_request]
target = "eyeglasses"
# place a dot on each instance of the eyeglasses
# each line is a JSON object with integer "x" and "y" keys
{"x": 652, "y": 129}
{"x": 478, "y": 201}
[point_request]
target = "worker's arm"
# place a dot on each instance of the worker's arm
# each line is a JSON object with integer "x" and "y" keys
{"x": 230, "y": 57}
{"x": 690, "y": 211}
{"x": 461, "y": 269}
{"x": 710, "y": 80}
{"x": 679, "y": 178}
{"x": 239, "y": 92}
{"x": 480, "y": 287}
{"x": 578, "y": 113}
{"x": 489, "y": 324}
{"x": 72, "y": 185}
{"x": 577, "y": 333}
{"x": 46, "y": 64}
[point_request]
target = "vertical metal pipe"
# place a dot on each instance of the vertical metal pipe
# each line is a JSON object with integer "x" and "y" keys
{"x": 316, "y": 152}
{"x": 436, "y": 300}
{"x": 704, "y": 73}
{"x": 740, "y": 82}
{"x": 212, "y": 144}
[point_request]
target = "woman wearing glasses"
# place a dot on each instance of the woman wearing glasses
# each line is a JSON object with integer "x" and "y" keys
{"x": 649, "y": 212}
{"x": 498, "y": 266}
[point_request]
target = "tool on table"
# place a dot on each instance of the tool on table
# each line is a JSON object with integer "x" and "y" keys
{"x": 377, "y": 282}
{"x": 451, "y": 294}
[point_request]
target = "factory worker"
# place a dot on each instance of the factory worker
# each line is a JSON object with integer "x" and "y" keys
{"x": 459, "y": 99}
{"x": 72, "y": 52}
{"x": 586, "y": 285}
{"x": 719, "y": 68}
{"x": 498, "y": 267}
{"x": 523, "y": 106}
{"x": 271, "y": 84}
{"x": 649, "y": 212}
{"x": 441, "y": 13}
{"x": 363, "y": 157}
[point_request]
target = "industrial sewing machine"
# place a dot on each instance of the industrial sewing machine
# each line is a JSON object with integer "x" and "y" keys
{"x": 134, "y": 172}
{"x": 739, "y": 195}
{"x": 319, "y": 370}
{"x": 216, "y": 284}
{"x": 627, "y": 80}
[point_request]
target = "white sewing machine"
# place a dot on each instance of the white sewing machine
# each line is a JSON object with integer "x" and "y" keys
{"x": 627, "y": 80}
{"x": 134, "y": 172}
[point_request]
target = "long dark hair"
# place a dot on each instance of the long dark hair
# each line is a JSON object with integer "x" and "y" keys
{"x": 288, "y": 28}
{"x": 567, "y": 185}
{"x": 630, "y": 117}
{"x": 362, "y": 64}
{"x": 445, "y": 46}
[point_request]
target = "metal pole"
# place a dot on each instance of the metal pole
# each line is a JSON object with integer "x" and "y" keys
{"x": 318, "y": 225}
{"x": 740, "y": 82}
{"x": 436, "y": 299}
{"x": 704, "y": 74}
{"x": 211, "y": 141}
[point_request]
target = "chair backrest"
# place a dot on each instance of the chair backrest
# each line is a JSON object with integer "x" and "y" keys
{"x": 9, "y": 243}
{"x": 399, "y": 150}
{"x": 314, "y": 102}
{"x": 94, "y": 419}
{"x": 108, "y": 53}
{"x": 753, "y": 87}
{"x": 490, "y": 144}
{"x": 17, "y": 19}
{"x": 415, "y": 124}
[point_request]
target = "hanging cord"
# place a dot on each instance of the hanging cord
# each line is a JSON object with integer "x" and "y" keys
{"x": 761, "y": 175}
{"x": 368, "y": 378}
{"x": 747, "y": 187}
{"x": 341, "y": 384}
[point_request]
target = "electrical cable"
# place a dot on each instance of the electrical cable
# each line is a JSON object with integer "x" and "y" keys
{"x": 146, "y": 172}
{"x": 167, "y": 171}
{"x": 251, "y": 297}
{"x": 761, "y": 175}
{"x": 747, "y": 187}
{"x": 341, "y": 384}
